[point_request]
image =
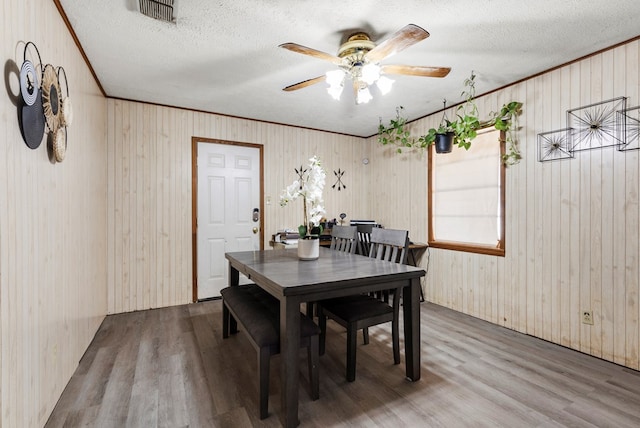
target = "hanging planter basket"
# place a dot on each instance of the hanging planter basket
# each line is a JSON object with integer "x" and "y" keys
{"x": 444, "y": 142}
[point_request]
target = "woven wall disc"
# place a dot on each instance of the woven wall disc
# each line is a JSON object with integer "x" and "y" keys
{"x": 67, "y": 107}
{"x": 67, "y": 112}
{"x": 60, "y": 144}
{"x": 51, "y": 98}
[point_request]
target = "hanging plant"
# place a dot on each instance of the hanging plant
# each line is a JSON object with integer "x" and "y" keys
{"x": 464, "y": 127}
{"x": 467, "y": 123}
{"x": 507, "y": 120}
{"x": 445, "y": 134}
{"x": 396, "y": 132}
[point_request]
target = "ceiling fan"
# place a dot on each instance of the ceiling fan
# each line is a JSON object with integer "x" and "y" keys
{"x": 359, "y": 59}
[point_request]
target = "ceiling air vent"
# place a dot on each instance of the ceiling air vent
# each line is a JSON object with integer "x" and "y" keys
{"x": 163, "y": 10}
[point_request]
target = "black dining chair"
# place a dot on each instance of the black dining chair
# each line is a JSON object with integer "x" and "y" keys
{"x": 364, "y": 238}
{"x": 362, "y": 311}
{"x": 345, "y": 239}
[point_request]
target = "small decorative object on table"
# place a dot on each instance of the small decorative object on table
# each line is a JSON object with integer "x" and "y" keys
{"x": 309, "y": 186}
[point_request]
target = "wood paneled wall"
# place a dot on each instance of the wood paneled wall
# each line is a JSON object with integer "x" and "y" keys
{"x": 572, "y": 226}
{"x": 53, "y": 222}
{"x": 149, "y": 157}
{"x": 109, "y": 229}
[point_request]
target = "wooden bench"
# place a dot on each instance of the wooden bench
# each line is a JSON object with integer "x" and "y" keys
{"x": 258, "y": 313}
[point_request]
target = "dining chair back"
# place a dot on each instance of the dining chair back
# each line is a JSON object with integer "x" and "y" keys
{"x": 385, "y": 244}
{"x": 363, "y": 311}
{"x": 389, "y": 244}
{"x": 364, "y": 238}
{"x": 344, "y": 238}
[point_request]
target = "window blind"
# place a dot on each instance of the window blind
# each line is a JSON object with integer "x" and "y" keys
{"x": 466, "y": 192}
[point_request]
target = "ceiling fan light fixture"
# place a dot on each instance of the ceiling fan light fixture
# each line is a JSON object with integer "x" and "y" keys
{"x": 335, "y": 80}
{"x": 335, "y": 77}
{"x": 363, "y": 96}
{"x": 370, "y": 73}
{"x": 335, "y": 92}
{"x": 359, "y": 60}
{"x": 384, "y": 84}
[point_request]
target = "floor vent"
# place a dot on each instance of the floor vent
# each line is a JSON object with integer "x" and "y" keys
{"x": 163, "y": 10}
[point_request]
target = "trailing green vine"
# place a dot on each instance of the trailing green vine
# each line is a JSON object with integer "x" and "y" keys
{"x": 467, "y": 123}
{"x": 464, "y": 127}
{"x": 396, "y": 132}
{"x": 507, "y": 120}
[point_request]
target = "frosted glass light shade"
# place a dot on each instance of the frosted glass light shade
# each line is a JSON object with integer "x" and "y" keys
{"x": 364, "y": 96}
{"x": 384, "y": 84}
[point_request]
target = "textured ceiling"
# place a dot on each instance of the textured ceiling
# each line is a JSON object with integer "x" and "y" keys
{"x": 223, "y": 56}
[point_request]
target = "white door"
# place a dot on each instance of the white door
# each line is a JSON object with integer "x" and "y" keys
{"x": 228, "y": 211}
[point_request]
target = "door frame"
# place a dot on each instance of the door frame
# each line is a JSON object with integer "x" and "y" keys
{"x": 194, "y": 200}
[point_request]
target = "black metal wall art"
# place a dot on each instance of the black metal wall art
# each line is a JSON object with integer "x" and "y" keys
{"x": 554, "y": 145}
{"x": 595, "y": 126}
{"x": 630, "y": 120}
{"x": 338, "y": 184}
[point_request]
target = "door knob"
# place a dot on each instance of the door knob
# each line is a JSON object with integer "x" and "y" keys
{"x": 255, "y": 230}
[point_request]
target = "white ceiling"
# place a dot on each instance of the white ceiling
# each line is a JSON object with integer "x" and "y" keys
{"x": 223, "y": 56}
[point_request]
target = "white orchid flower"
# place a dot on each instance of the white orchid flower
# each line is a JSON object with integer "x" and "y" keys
{"x": 310, "y": 187}
{"x": 289, "y": 194}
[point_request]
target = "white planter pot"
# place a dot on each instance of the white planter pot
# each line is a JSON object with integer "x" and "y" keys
{"x": 308, "y": 249}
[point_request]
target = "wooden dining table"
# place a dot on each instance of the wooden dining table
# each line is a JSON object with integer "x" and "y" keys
{"x": 333, "y": 274}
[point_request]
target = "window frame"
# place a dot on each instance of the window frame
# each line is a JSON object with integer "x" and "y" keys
{"x": 498, "y": 250}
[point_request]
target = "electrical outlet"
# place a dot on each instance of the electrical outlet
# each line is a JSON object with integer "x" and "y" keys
{"x": 587, "y": 317}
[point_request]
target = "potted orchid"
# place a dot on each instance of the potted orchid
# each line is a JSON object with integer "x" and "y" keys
{"x": 309, "y": 187}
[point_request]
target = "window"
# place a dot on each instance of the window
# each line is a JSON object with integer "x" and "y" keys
{"x": 466, "y": 196}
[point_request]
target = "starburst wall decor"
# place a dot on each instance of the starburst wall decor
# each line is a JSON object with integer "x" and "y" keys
{"x": 630, "y": 120}
{"x": 596, "y": 126}
{"x": 554, "y": 145}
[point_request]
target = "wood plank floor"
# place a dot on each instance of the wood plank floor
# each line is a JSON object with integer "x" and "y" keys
{"x": 170, "y": 368}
